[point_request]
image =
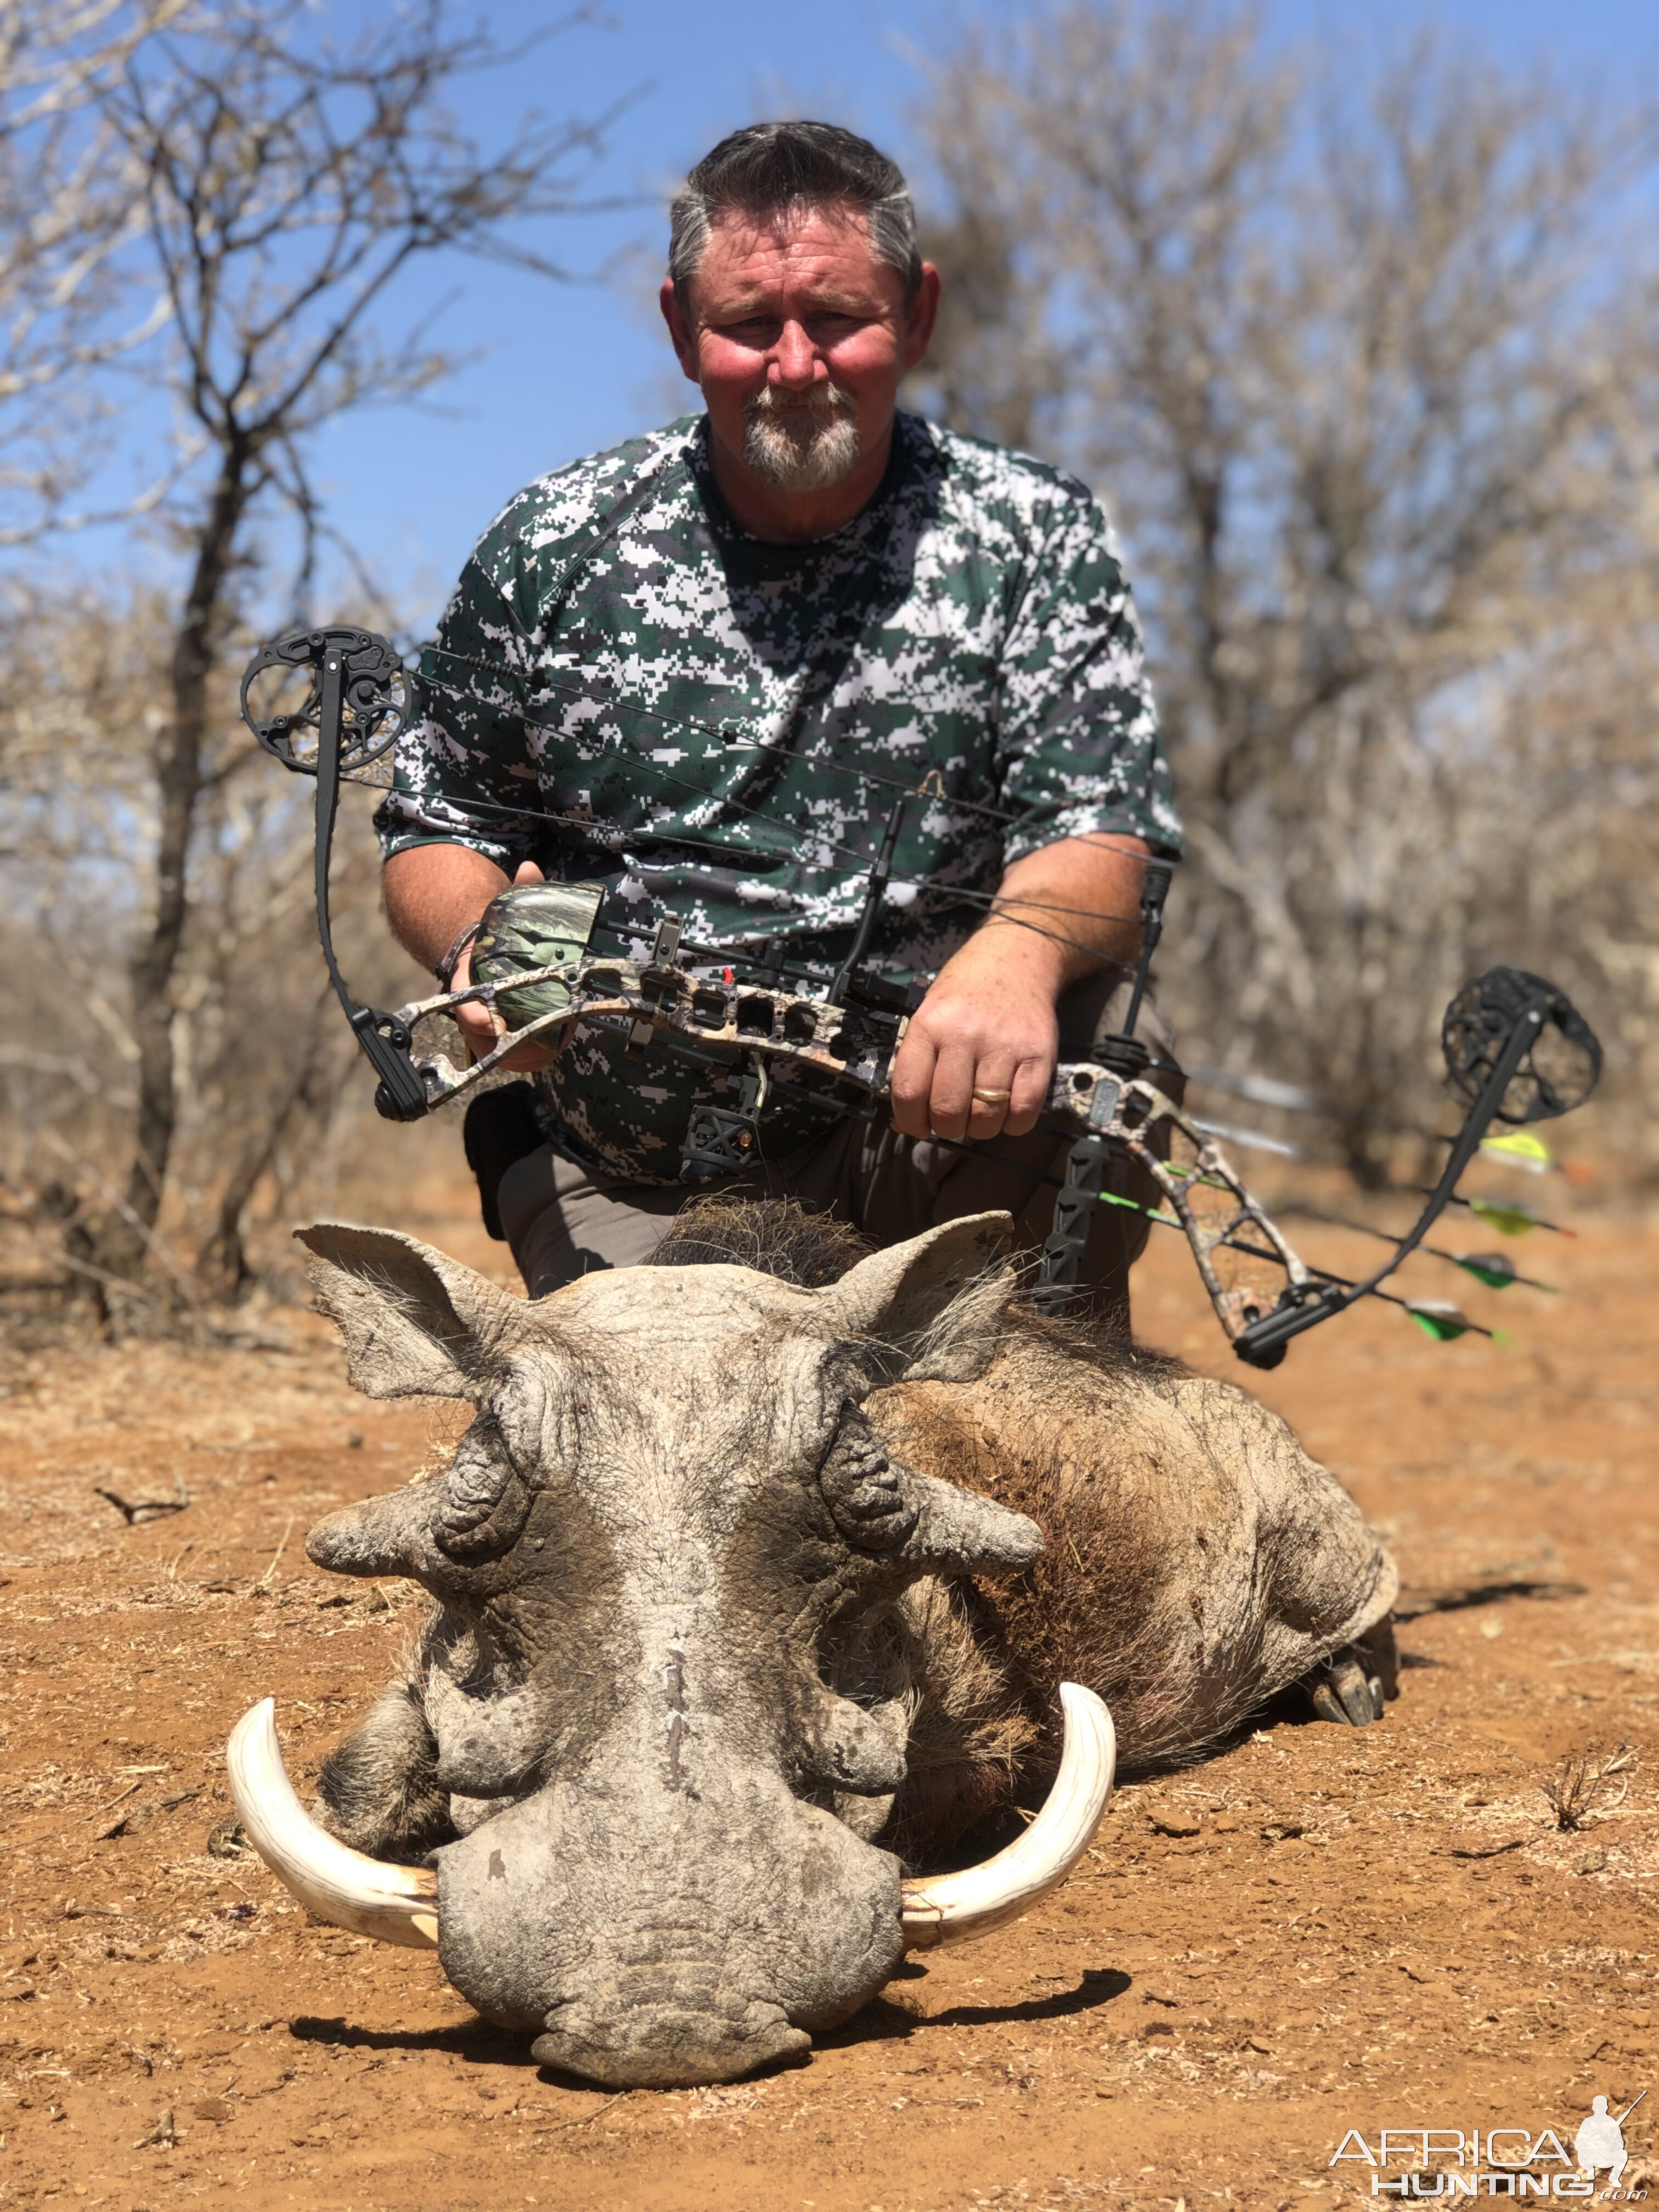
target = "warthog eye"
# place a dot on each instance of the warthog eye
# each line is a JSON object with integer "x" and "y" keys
{"x": 868, "y": 1498}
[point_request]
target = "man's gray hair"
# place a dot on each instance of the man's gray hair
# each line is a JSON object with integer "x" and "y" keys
{"x": 767, "y": 169}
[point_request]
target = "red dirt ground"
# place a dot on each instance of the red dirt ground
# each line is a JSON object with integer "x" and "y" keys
{"x": 1323, "y": 1930}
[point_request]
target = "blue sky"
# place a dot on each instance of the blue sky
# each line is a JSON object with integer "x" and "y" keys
{"x": 563, "y": 370}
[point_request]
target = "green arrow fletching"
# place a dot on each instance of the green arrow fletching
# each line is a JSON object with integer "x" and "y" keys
{"x": 1495, "y": 1269}
{"x": 1498, "y": 1271}
{"x": 1443, "y": 1322}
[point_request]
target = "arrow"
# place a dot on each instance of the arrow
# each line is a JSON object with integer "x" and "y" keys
{"x": 1495, "y": 1269}
{"x": 1444, "y": 1323}
{"x": 1511, "y": 1219}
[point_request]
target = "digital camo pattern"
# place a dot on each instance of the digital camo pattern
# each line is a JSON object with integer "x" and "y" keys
{"x": 712, "y": 718}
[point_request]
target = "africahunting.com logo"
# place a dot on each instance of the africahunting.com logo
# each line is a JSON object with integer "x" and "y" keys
{"x": 1445, "y": 2162}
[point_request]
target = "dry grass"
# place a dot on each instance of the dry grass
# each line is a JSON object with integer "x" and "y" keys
{"x": 1581, "y": 1785}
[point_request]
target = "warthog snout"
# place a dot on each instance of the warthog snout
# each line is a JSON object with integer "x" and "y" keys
{"x": 646, "y": 1933}
{"x": 632, "y": 2033}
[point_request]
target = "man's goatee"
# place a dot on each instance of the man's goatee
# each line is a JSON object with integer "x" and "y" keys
{"x": 808, "y": 441}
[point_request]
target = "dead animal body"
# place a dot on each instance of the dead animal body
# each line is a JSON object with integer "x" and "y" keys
{"x": 751, "y": 1595}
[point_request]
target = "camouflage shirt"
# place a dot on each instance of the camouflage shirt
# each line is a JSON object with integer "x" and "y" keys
{"x": 628, "y": 686}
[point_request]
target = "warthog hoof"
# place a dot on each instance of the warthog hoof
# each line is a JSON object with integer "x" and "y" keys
{"x": 1341, "y": 1690}
{"x": 1350, "y": 1686}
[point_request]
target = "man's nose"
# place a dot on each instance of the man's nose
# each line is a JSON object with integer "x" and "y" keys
{"x": 794, "y": 363}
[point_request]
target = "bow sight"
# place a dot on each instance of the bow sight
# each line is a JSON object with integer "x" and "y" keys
{"x": 1516, "y": 1051}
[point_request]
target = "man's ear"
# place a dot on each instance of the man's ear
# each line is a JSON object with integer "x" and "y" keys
{"x": 930, "y": 1309}
{"x": 677, "y": 313}
{"x": 922, "y": 315}
{"x": 416, "y": 1324}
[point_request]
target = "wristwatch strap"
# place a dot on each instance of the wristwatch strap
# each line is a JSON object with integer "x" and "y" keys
{"x": 443, "y": 969}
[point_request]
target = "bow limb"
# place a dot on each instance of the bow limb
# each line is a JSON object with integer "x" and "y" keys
{"x": 1234, "y": 1221}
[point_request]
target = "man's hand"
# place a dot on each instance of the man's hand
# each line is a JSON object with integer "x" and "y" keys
{"x": 432, "y": 893}
{"x": 475, "y": 1020}
{"x": 979, "y": 1054}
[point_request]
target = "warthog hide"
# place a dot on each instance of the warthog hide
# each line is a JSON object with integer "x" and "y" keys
{"x": 740, "y": 1612}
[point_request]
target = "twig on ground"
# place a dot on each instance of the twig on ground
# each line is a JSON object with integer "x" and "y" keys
{"x": 582, "y": 2118}
{"x": 264, "y": 1582}
{"x": 126, "y": 1824}
{"x": 116, "y": 1800}
{"x": 153, "y": 1508}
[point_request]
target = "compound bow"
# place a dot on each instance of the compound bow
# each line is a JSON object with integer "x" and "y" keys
{"x": 1516, "y": 1051}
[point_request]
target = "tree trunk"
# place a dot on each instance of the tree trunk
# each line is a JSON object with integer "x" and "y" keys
{"x": 222, "y": 1268}
{"x": 178, "y": 786}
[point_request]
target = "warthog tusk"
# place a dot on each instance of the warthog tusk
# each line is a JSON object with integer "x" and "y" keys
{"x": 949, "y": 1908}
{"x": 397, "y": 1903}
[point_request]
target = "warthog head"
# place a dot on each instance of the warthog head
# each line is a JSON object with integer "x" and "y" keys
{"x": 668, "y": 1508}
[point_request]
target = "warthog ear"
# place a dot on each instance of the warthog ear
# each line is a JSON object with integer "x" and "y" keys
{"x": 416, "y": 1324}
{"x": 929, "y": 1309}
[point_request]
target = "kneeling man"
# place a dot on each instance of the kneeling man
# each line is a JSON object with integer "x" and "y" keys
{"x": 700, "y": 668}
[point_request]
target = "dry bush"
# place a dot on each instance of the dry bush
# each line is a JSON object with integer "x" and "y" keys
{"x": 1580, "y": 1784}
{"x": 72, "y": 305}
{"x": 169, "y": 1047}
{"x": 270, "y": 1094}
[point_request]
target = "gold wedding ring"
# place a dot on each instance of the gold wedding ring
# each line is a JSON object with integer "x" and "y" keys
{"x": 993, "y": 1097}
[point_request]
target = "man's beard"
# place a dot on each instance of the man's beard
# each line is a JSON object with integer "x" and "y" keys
{"x": 804, "y": 441}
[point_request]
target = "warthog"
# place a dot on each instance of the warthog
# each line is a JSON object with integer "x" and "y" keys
{"x": 743, "y": 1609}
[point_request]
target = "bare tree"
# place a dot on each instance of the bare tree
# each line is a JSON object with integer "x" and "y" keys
{"x": 1351, "y": 354}
{"x": 267, "y": 1102}
{"x": 283, "y": 188}
{"x": 71, "y": 304}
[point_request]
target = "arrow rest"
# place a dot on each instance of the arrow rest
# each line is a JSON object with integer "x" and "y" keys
{"x": 721, "y": 1142}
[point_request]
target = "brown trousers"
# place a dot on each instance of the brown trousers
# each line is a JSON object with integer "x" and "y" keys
{"x": 563, "y": 1223}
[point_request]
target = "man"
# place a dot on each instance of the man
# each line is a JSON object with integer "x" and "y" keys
{"x": 700, "y": 668}
{"x": 1600, "y": 2141}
